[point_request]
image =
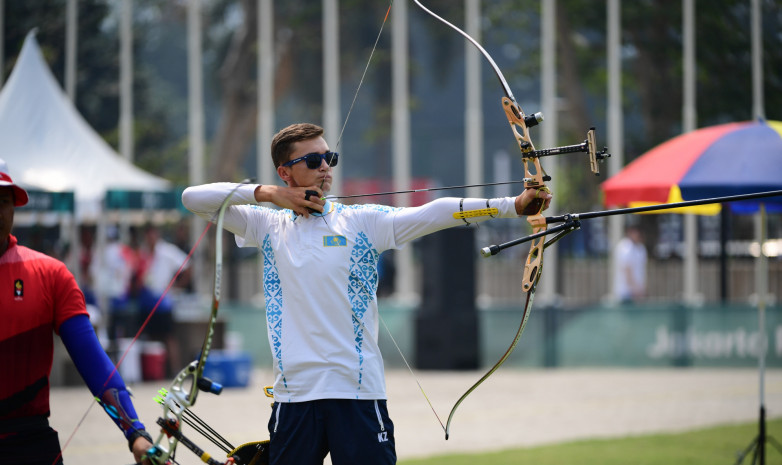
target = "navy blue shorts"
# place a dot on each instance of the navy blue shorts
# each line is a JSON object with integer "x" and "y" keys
{"x": 353, "y": 431}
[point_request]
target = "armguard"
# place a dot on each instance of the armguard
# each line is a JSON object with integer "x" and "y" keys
{"x": 98, "y": 372}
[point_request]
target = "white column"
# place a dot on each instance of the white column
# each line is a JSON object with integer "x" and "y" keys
{"x": 615, "y": 126}
{"x": 473, "y": 117}
{"x": 690, "y": 116}
{"x": 548, "y": 128}
{"x": 400, "y": 130}
{"x": 761, "y": 264}
{"x": 71, "y": 34}
{"x": 126, "y": 81}
{"x": 195, "y": 121}
{"x": 331, "y": 94}
{"x": 758, "y": 107}
{"x": 266, "y": 173}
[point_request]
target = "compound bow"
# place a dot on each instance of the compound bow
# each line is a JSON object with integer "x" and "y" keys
{"x": 183, "y": 392}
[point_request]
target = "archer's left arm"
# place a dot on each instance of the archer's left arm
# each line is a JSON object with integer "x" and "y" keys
{"x": 412, "y": 223}
{"x": 103, "y": 380}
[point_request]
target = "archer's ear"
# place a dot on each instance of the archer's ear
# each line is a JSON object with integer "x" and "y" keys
{"x": 284, "y": 173}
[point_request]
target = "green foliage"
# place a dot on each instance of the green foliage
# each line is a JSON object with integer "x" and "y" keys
{"x": 651, "y": 73}
{"x": 703, "y": 447}
{"x": 96, "y": 90}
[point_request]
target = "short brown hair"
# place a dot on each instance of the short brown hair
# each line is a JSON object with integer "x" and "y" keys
{"x": 282, "y": 143}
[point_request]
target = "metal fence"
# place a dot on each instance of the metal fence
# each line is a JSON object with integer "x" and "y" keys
{"x": 587, "y": 281}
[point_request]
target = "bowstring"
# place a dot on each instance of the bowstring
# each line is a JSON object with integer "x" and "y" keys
{"x": 363, "y": 75}
{"x": 404, "y": 359}
{"x": 358, "y": 320}
{"x": 360, "y": 281}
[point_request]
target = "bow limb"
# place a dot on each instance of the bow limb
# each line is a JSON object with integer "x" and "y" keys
{"x": 534, "y": 178}
{"x": 183, "y": 392}
{"x": 500, "y": 76}
{"x": 514, "y": 343}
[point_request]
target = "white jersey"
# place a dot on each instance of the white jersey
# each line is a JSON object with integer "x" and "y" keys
{"x": 320, "y": 280}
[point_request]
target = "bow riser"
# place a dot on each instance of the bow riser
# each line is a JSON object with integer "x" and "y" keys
{"x": 175, "y": 403}
{"x": 534, "y": 264}
{"x": 534, "y": 178}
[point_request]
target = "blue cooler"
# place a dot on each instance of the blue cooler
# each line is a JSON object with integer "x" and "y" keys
{"x": 231, "y": 369}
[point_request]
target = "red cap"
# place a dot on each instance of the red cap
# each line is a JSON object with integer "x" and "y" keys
{"x": 20, "y": 195}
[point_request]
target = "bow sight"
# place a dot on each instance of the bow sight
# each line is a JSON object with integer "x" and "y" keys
{"x": 588, "y": 147}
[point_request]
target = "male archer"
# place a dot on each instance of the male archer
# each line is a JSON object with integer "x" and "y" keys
{"x": 320, "y": 281}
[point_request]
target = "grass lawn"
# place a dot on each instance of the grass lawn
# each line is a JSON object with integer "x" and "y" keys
{"x": 719, "y": 445}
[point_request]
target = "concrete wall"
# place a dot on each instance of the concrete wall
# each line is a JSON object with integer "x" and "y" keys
{"x": 597, "y": 336}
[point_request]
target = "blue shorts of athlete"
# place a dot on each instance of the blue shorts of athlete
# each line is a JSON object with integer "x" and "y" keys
{"x": 352, "y": 431}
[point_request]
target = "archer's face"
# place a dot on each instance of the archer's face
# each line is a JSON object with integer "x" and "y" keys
{"x": 298, "y": 175}
{"x": 6, "y": 212}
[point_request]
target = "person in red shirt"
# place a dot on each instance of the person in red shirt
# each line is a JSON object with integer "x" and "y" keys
{"x": 39, "y": 297}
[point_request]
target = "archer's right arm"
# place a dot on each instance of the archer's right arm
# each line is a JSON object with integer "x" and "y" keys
{"x": 205, "y": 201}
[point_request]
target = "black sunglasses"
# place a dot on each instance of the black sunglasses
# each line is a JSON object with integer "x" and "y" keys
{"x": 314, "y": 160}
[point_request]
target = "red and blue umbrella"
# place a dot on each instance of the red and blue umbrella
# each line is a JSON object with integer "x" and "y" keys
{"x": 728, "y": 159}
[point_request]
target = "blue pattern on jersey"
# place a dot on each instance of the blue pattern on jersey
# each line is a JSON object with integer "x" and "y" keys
{"x": 272, "y": 291}
{"x": 362, "y": 285}
{"x": 369, "y": 206}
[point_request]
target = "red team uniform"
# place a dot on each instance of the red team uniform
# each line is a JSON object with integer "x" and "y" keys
{"x": 37, "y": 294}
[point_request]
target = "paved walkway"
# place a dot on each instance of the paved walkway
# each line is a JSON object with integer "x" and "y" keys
{"x": 512, "y": 409}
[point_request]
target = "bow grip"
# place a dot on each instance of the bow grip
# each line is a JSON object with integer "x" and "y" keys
{"x": 534, "y": 207}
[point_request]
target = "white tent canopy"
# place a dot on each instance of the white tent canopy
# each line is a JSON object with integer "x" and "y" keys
{"x": 48, "y": 145}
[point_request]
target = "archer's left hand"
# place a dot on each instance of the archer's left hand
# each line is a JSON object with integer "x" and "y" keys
{"x": 532, "y": 201}
{"x": 140, "y": 448}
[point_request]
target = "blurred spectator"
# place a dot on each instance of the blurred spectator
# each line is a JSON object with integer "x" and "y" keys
{"x": 111, "y": 273}
{"x": 182, "y": 240}
{"x": 158, "y": 264}
{"x": 630, "y": 270}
